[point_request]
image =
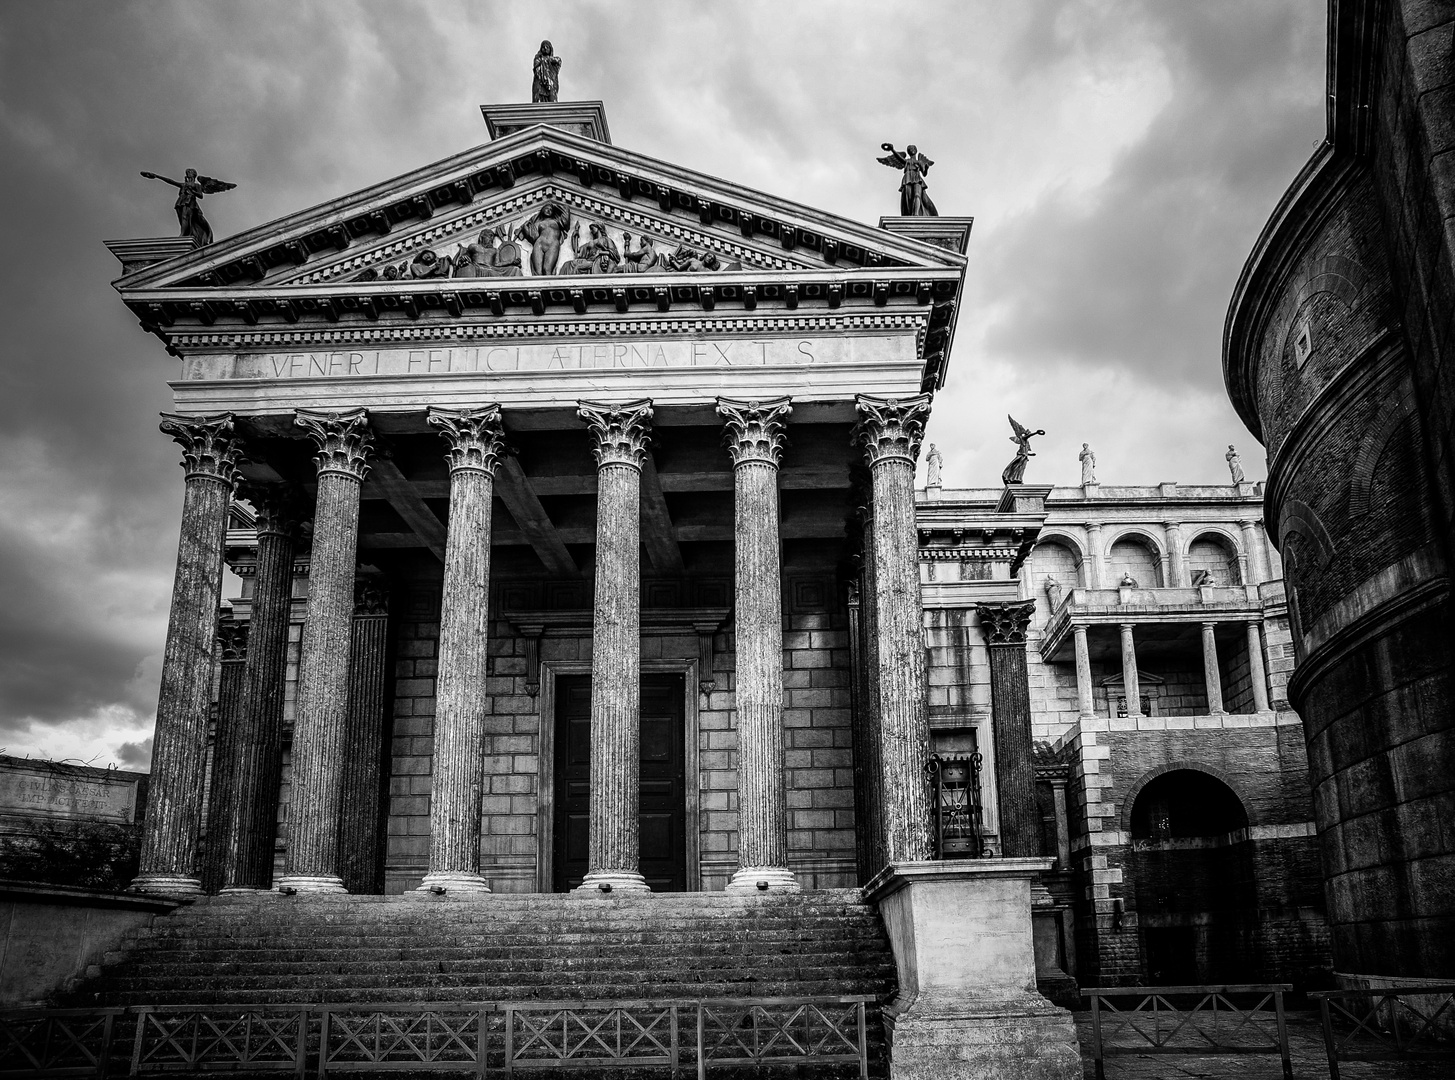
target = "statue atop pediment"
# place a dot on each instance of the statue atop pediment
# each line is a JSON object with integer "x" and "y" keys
{"x": 546, "y": 69}
{"x": 190, "y": 190}
{"x": 914, "y": 199}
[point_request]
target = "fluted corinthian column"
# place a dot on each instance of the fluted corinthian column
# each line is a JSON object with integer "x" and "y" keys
{"x": 870, "y": 744}
{"x": 360, "y": 839}
{"x": 344, "y": 444}
{"x": 890, "y": 433}
{"x": 210, "y": 453}
{"x": 222, "y": 793}
{"x": 1005, "y": 626}
{"x": 257, "y": 769}
{"x": 620, "y": 434}
{"x": 755, "y": 443}
{"x": 475, "y": 444}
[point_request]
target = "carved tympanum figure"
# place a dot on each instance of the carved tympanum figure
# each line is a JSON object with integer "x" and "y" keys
{"x": 546, "y": 72}
{"x": 426, "y": 264}
{"x": 190, "y": 190}
{"x": 914, "y": 200}
{"x": 598, "y": 255}
{"x": 690, "y": 260}
{"x": 644, "y": 260}
{"x": 546, "y": 233}
{"x": 495, "y": 254}
{"x": 1016, "y": 470}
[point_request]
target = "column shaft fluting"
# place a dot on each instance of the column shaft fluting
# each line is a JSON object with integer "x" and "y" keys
{"x": 173, "y": 820}
{"x": 475, "y": 442}
{"x": 620, "y": 436}
{"x": 227, "y": 744}
{"x": 890, "y": 432}
{"x": 361, "y": 841}
{"x": 1085, "y": 700}
{"x": 1257, "y": 674}
{"x": 258, "y": 773}
{"x": 1211, "y": 671}
{"x": 755, "y": 443}
{"x": 323, "y": 673}
{"x": 1131, "y": 681}
{"x": 1252, "y": 556}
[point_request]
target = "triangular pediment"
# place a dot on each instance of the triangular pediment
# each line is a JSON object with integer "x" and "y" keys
{"x": 485, "y": 212}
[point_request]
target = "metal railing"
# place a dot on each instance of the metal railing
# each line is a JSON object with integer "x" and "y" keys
{"x": 1383, "y": 1024}
{"x": 1207, "y": 1022}
{"x": 955, "y": 805}
{"x": 462, "y": 1038}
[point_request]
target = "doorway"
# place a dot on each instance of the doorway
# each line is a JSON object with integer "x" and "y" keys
{"x": 663, "y": 808}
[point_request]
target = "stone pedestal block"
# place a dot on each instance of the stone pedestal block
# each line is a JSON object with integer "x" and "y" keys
{"x": 967, "y": 1007}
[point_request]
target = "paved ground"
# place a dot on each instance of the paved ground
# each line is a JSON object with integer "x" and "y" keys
{"x": 1305, "y": 1044}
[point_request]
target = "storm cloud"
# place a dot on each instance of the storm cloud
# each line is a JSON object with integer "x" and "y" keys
{"x": 1119, "y": 160}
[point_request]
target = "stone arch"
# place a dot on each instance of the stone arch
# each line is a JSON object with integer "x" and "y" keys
{"x": 1299, "y": 518}
{"x": 1217, "y": 551}
{"x": 1069, "y": 569}
{"x": 1129, "y": 800}
{"x": 1392, "y": 423}
{"x": 1335, "y": 275}
{"x": 1148, "y": 570}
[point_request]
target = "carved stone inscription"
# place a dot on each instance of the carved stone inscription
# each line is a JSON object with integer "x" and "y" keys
{"x": 562, "y": 356}
{"x": 49, "y": 795}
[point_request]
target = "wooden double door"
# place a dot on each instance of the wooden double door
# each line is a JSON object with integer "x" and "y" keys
{"x": 663, "y": 810}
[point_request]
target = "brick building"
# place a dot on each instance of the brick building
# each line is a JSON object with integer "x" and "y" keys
{"x": 1179, "y": 810}
{"x": 1338, "y": 356}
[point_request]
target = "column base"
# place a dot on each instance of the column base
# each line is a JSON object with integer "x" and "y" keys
{"x": 166, "y": 884}
{"x": 764, "y": 879}
{"x": 242, "y": 890}
{"x": 1018, "y": 1038}
{"x": 454, "y": 882}
{"x": 610, "y": 882}
{"x": 312, "y": 883}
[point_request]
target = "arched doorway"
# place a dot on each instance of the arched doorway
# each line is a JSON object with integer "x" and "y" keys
{"x": 1192, "y": 880}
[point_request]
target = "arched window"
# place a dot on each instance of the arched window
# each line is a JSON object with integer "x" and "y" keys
{"x": 1213, "y": 555}
{"x": 1136, "y": 556}
{"x": 1186, "y": 803}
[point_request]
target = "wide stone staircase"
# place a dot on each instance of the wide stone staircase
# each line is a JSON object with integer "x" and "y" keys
{"x": 274, "y": 951}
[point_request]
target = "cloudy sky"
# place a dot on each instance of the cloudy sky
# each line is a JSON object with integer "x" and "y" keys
{"x": 1119, "y": 159}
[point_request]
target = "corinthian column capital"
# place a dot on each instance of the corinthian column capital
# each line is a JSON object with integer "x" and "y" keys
{"x": 476, "y": 438}
{"x": 621, "y": 432}
{"x": 755, "y": 430}
{"x": 1006, "y": 623}
{"x": 210, "y": 447}
{"x": 232, "y": 638}
{"x": 890, "y": 429}
{"x": 343, "y": 439}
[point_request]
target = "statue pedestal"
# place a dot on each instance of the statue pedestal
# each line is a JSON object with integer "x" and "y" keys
{"x": 967, "y": 1007}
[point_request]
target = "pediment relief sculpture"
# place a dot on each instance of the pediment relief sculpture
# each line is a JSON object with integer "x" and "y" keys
{"x": 551, "y": 242}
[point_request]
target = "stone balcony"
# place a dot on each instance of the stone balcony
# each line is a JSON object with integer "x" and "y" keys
{"x": 1147, "y": 608}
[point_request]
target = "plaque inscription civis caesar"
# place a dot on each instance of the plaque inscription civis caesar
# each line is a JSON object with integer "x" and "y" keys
{"x": 545, "y": 356}
{"x": 34, "y": 793}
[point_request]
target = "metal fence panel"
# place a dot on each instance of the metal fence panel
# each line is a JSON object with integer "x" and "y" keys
{"x": 220, "y": 1039}
{"x": 1384, "y": 1024}
{"x": 57, "y": 1042}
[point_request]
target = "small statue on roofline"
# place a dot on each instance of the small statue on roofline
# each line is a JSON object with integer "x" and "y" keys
{"x": 190, "y": 190}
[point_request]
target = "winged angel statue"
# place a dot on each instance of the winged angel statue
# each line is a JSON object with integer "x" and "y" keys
{"x": 914, "y": 199}
{"x": 1022, "y": 437}
{"x": 190, "y": 190}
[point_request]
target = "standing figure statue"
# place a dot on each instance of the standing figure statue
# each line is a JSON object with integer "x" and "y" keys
{"x": 1088, "y": 465}
{"x": 1235, "y": 464}
{"x": 914, "y": 201}
{"x": 1022, "y": 438}
{"x": 546, "y": 232}
{"x": 190, "y": 190}
{"x": 546, "y": 83}
{"x": 934, "y": 460}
